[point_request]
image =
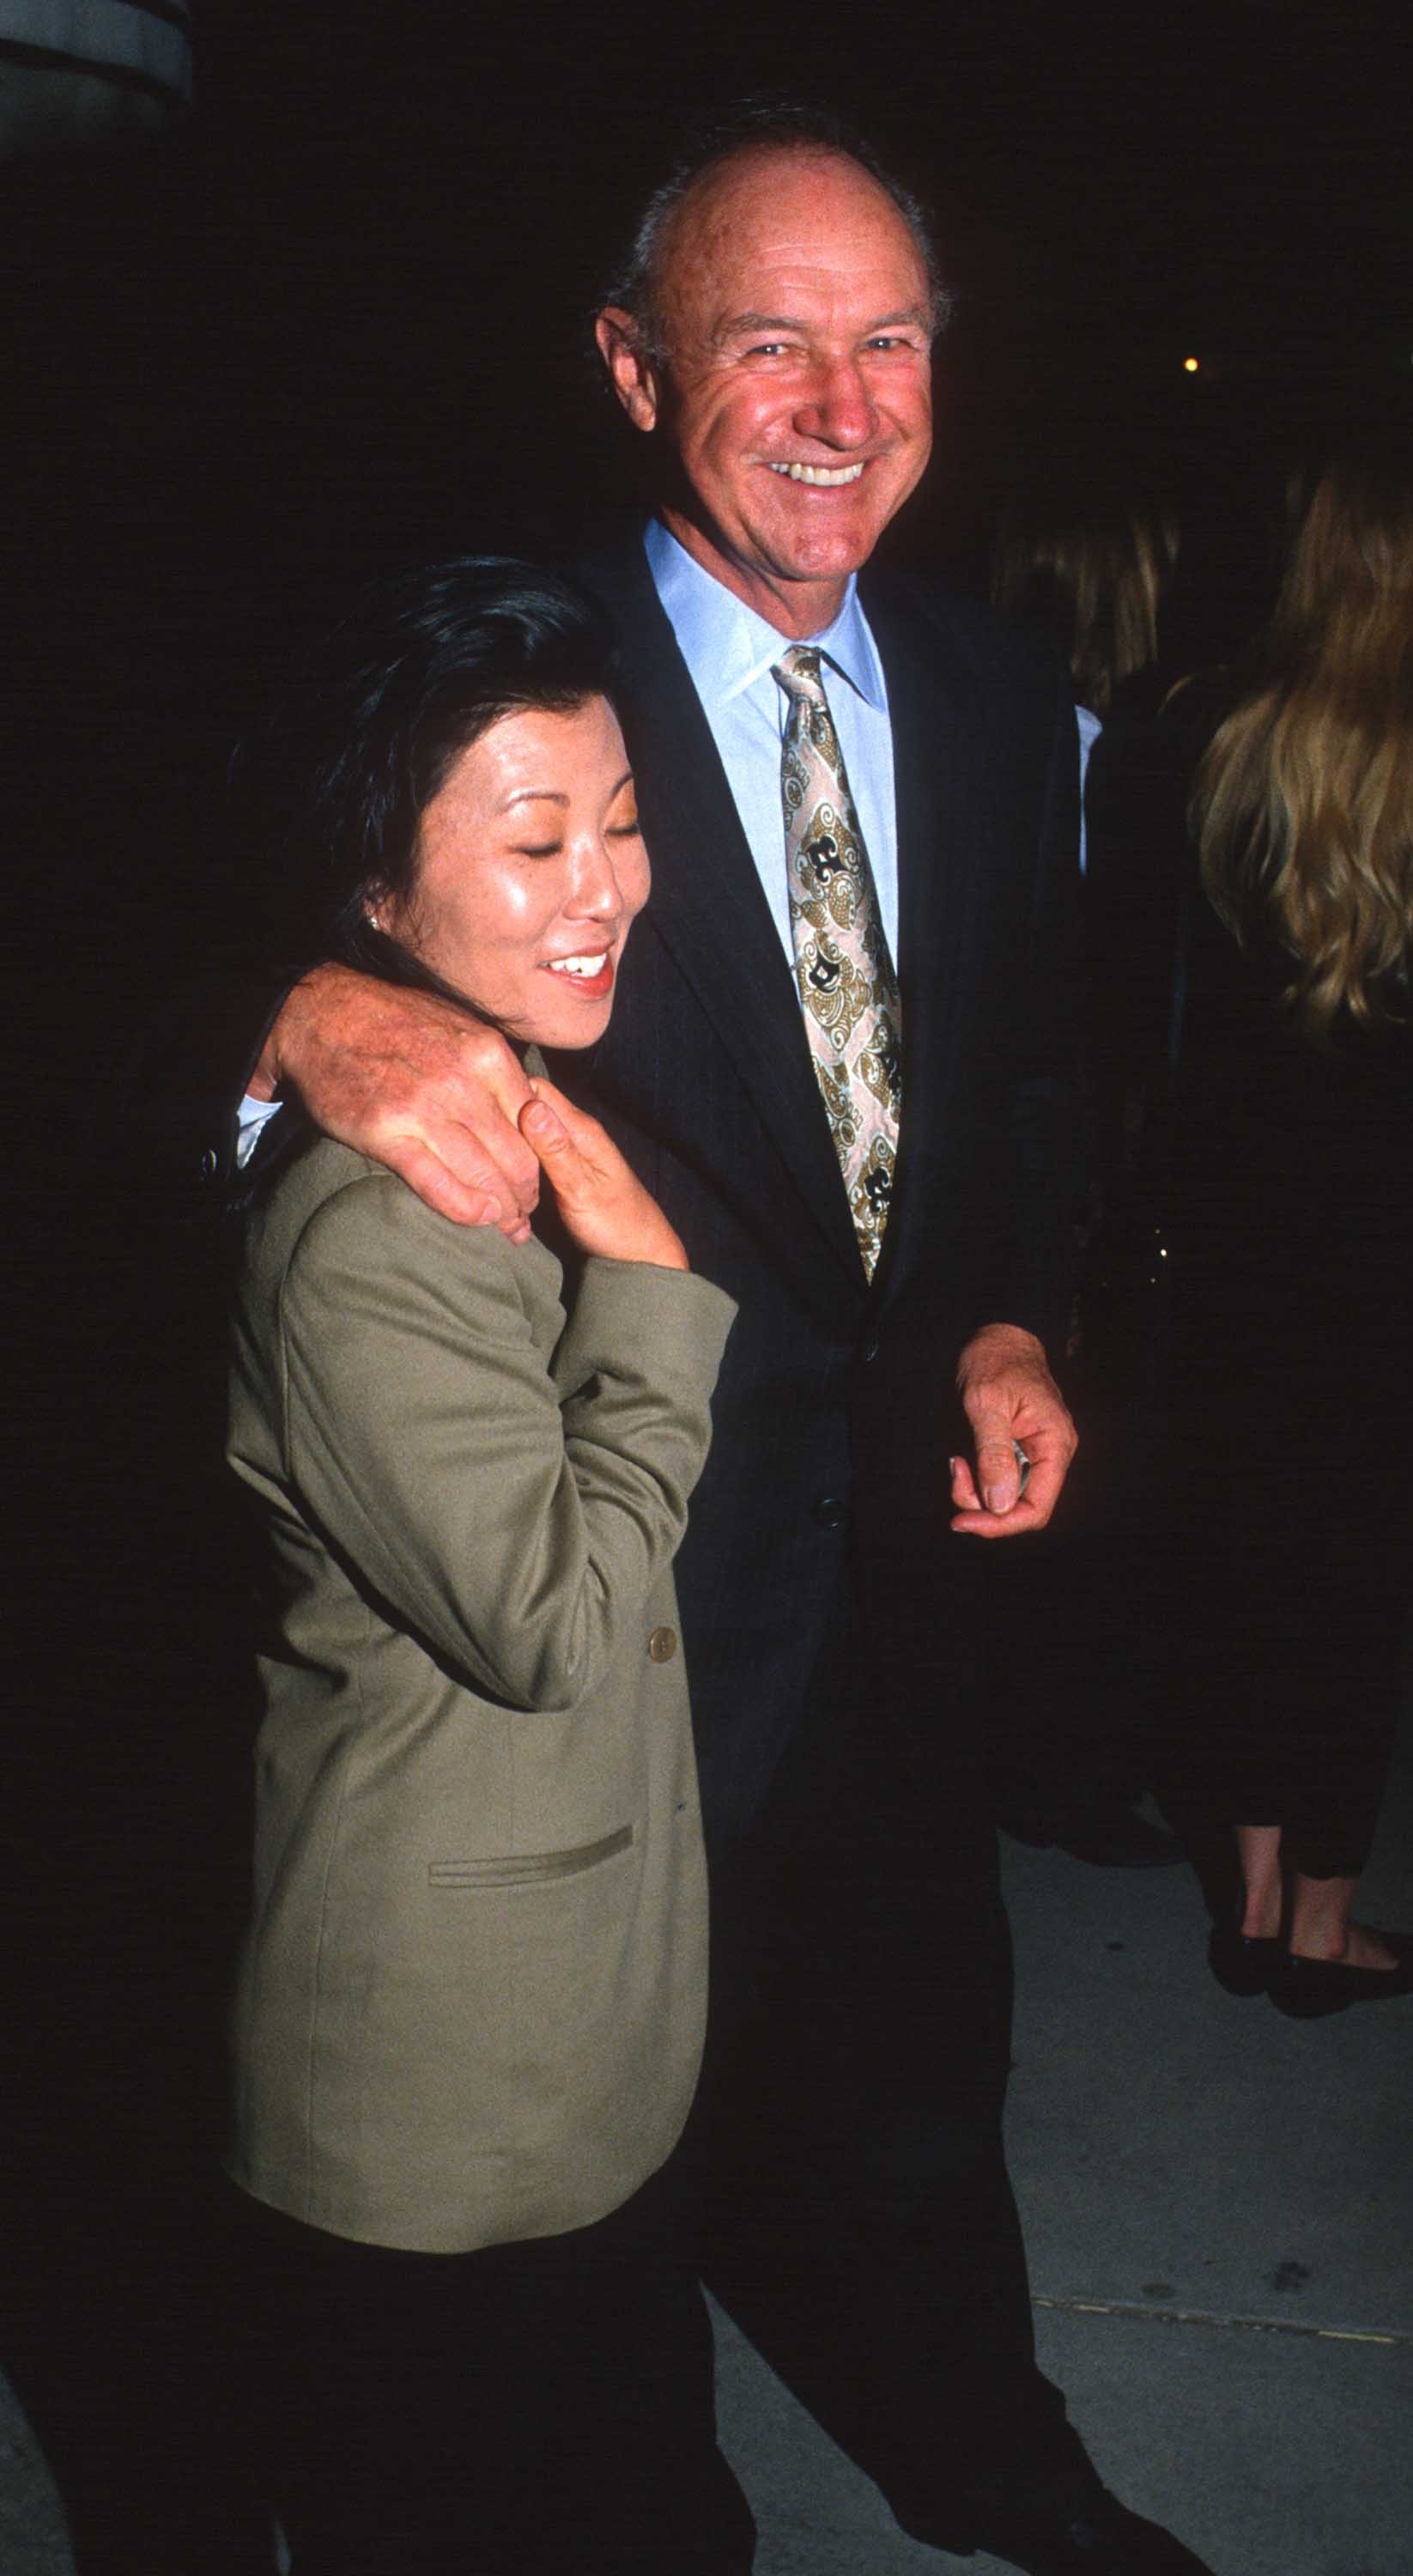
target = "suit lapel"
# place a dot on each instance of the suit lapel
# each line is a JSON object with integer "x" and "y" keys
{"x": 707, "y": 906}
{"x": 938, "y": 727}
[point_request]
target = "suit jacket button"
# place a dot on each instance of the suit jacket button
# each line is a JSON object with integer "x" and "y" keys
{"x": 830, "y": 1511}
{"x": 662, "y": 1645}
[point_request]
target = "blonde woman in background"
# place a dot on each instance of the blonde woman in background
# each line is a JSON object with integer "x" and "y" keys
{"x": 1290, "y": 1230}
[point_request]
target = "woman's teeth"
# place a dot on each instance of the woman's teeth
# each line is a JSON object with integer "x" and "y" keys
{"x": 586, "y": 966}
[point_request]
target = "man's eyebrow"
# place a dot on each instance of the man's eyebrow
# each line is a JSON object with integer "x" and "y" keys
{"x": 760, "y": 322}
{"x": 743, "y": 322}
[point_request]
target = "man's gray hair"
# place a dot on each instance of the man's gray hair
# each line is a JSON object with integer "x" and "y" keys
{"x": 757, "y": 125}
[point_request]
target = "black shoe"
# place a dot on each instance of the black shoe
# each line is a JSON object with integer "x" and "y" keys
{"x": 1306, "y": 1989}
{"x": 1099, "y": 2537}
{"x": 1242, "y": 1963}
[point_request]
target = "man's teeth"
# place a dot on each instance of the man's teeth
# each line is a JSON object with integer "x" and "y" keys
{"x": 588, "y": 966}
{"x": 820, "y": 473}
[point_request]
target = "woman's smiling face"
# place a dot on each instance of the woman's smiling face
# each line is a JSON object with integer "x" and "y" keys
{"x": 530, "y": 869}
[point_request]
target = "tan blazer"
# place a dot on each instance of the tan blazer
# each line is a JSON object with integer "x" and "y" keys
{"x": 471, "y": 2000}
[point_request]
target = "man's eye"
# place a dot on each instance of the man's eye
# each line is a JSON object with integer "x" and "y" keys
{"x": 768, "y": 349}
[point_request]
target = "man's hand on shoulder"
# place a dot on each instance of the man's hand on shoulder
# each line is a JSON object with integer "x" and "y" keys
{"x": 413, "y": 1083}
{"x": 1009, "y": 1395}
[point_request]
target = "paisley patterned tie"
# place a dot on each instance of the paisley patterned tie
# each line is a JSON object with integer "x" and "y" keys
{"x": 848, "y": 990}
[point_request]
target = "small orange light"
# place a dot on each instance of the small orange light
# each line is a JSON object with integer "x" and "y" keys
{"x": 1191, "y": 365}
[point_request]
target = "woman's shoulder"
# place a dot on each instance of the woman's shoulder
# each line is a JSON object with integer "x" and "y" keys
{"x": 331, "y": 1205}
{"x": 307, "y": 1174}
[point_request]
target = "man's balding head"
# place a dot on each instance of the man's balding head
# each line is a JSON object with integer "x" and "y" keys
{"x": 782, "y": 359}
{"x": 635, "y": 286}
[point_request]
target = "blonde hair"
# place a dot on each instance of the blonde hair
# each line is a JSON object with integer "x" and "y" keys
{"x": 1303, "y": 805}
{"x": 1093, "y": 576}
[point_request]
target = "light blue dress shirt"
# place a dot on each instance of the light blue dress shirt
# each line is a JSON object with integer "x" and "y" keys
{"x": 729, "y": 652}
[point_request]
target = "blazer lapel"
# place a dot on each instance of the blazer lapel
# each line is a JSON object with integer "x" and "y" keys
{"x": 706, "y": 902}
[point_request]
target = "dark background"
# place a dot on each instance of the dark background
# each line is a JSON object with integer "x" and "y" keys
{"x": 410, "y": 211}
{"x": 411, "y": 207}
{"x": 343, "y": 318}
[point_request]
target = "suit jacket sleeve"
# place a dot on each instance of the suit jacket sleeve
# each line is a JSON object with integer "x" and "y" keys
{"x": 514, "y": 1533}
{"x": 1035, "y": 1046}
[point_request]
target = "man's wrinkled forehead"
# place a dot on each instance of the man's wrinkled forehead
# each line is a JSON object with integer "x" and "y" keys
{"x": 749, "y": 212}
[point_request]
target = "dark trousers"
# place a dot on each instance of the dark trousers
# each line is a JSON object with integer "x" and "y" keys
{"x": 1293, "y": 1659}
{"x": 1276, "y": 1590}
{"x": 516, "y": 2411}
{"x": 860, "y": 2222}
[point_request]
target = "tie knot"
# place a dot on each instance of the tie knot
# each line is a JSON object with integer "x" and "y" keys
{"x": 798, "y": 673}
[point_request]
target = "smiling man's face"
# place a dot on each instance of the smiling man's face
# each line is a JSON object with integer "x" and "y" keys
{"x": 796, "y": 388}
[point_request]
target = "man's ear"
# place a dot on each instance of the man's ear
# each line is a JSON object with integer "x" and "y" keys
{"x": 633, "y": 374}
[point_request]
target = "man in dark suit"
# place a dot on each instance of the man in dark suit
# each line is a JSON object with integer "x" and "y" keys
{"x": 831, "y": 779}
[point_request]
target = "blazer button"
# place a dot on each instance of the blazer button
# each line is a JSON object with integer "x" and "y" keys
{"x": 662, "y": 1645}
{"x": 830, "y": 1511}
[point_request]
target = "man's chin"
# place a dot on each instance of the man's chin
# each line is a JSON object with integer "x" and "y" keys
{"x": 784, "y": 561}
{"x": 816, "y": 534}
{"x": 822, "y": 560}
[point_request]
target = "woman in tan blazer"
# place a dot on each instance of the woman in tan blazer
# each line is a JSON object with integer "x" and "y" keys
{"x": 469, "y": 2009}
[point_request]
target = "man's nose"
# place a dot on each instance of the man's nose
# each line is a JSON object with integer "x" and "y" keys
{"x": 837, "y": 407}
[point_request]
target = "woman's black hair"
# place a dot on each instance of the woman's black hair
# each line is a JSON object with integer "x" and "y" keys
{"x": 430, "y": 659}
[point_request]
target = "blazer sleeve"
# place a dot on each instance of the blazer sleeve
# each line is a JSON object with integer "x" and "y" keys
{"x": 515, "y": 1533}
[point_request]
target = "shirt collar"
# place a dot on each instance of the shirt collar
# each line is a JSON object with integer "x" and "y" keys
{"x": 728, "y": 648}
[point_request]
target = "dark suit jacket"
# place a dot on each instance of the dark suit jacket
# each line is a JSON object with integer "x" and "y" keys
{"x": 834, "y": 1413}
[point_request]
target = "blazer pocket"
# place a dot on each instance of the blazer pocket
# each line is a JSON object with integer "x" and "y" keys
{"x": 529, "y": 1869}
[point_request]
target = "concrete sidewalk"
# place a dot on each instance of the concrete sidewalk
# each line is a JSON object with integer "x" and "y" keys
{"x": 1219, "y": 2209}
{"x": 1218, "y": 2205}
